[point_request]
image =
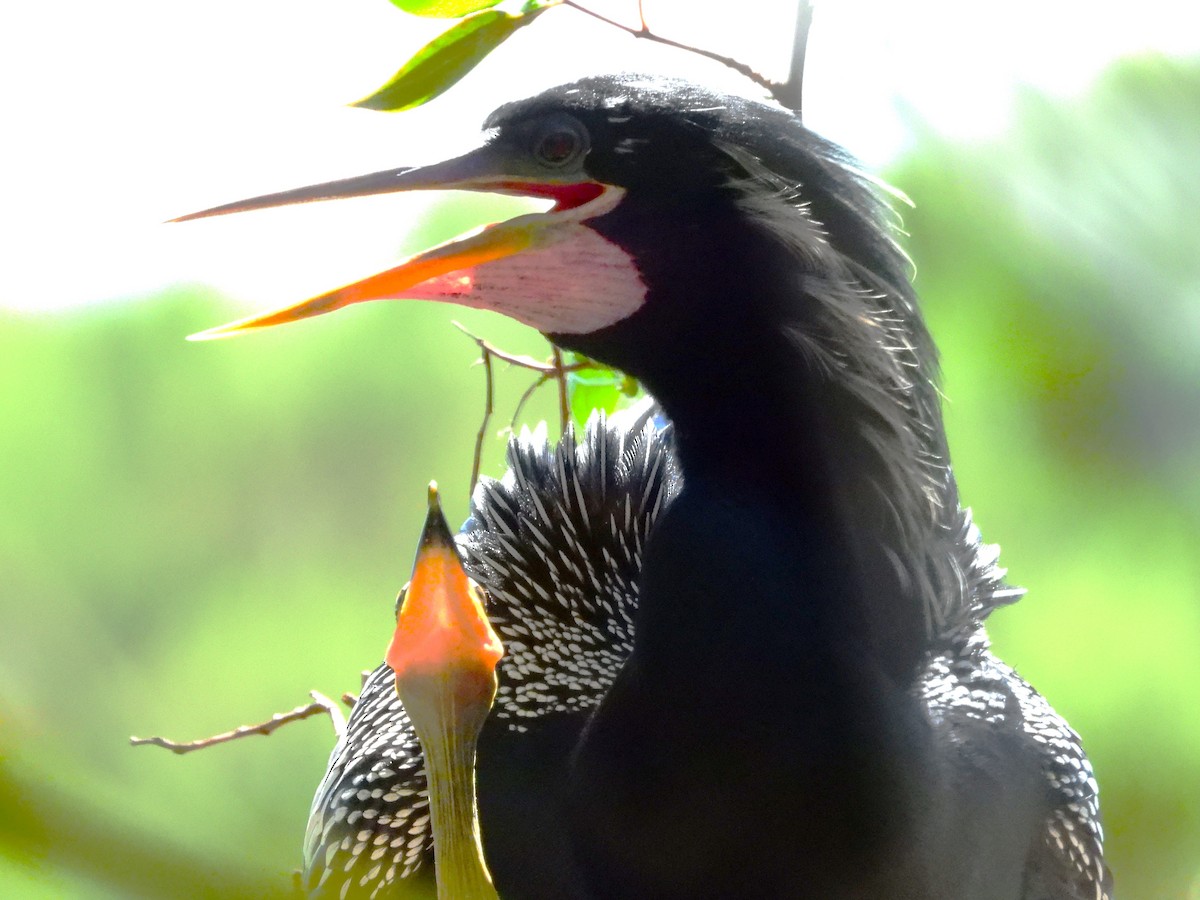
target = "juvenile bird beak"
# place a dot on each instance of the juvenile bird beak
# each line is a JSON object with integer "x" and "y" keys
{"x": 443, "y": 635}
{"x": 444, "y": 655}
{"x": 445, "y": 272}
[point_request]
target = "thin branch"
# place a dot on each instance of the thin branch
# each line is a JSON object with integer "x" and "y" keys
{"x": 549, "y": 369}
{"x": 488, "y": 408}
{"x": 564, "y": 404}
{"x": 538, "y": 382}
{"x": 348, "y": 699}
{"x": 644, "y": 32}
{"x": 791, "y": 92}
{"x": 321, "y": 705}
{"x": 521, "y": 362}
{"x": 556, "y": 369}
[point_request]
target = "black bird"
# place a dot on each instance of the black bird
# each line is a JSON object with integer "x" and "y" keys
{"x": 747, "y": 655}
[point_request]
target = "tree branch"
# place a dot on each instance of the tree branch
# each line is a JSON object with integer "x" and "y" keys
{"x": 791, "y": 92}
{"x": 644, "y": 32}
{"x": 564, "y": 400}
{"x": 488, "y": 408}
{"x": 321, "y": 705}
{"x": 556, "y": 369}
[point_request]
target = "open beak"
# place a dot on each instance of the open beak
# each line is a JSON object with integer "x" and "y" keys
{"x": 444, "y": 272}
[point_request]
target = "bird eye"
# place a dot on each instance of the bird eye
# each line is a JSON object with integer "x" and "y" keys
{"x": 558, "y": 145}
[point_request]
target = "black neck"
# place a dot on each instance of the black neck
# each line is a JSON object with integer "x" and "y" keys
{"x": 779, "y": 462}
{"x": 773, "y": 454}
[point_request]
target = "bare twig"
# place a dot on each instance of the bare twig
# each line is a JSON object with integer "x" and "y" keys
{"x": 348, "y": 699}
{"x": 791, "y": 92}
{"x": 488, "y": 409}
{"x": 644, "y": 32}
{"x": 548, "y": 369}
{"x": 560, "y": 377}
{"x": 555, "y": 370}
{"x": 321, "y": 705}
{"x": 521, "y": 362}
{"x": 538, "y": 382}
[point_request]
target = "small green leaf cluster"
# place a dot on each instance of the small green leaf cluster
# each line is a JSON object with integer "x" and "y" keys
{"x": 445, "y": 60}
{"x": 596, "y": 386}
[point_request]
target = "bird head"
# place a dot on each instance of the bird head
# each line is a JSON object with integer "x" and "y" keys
{"x": 664, "y": 194}
{"x": 550, "y": 270}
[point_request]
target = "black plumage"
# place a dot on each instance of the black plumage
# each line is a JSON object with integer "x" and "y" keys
{"x": 558, "y": 543}
{"x": 779, "y": 684}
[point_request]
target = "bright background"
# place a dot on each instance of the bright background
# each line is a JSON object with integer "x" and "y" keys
{"x": 194, "y": 535}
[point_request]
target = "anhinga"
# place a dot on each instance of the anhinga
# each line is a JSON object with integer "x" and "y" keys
{"x": 747, "y": 656}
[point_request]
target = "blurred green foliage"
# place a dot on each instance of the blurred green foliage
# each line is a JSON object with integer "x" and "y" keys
{"x": 194, "y": 535}
{"x": 1060, "y": 273}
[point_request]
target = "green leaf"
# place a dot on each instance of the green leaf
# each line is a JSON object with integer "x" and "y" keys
{"x": 596, "y": 387}
{"x": 443, "y": 9}
{"x": 447, "y": 58}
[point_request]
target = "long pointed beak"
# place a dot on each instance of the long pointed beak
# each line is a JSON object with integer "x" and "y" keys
{"x": 461, "y": 172}
{"x": 431, "y": 271}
